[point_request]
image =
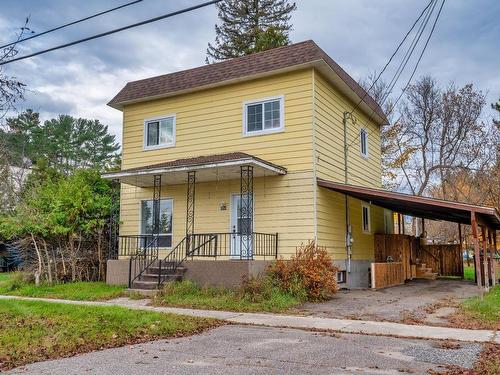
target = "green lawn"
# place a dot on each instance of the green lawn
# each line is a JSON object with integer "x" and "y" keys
{"x": 5, "y": 276}
{"x": 468, "y": 272}
{"x": 79, "y": 291}
{"x": 34, "y": 331}
{"x": 188, "y": 294}
{"x": 485, "y": 308}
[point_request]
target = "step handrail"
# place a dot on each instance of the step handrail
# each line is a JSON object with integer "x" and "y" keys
{"x": 180, "y": 253}
{"x": 142, "y": 258}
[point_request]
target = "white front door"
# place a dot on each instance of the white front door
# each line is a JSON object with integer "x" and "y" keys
{"x": 236, "y": 225}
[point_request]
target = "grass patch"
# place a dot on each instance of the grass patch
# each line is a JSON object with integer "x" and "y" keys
{"x": 468, "y": 273}
{"x": 14, "y": 285}
{"x": 34, "y": 331}
{"x": 188, "y": 294}
{"x": 4, "y": 276}
{"x": 481, "y": 312}
{"x": 486, "y": 307}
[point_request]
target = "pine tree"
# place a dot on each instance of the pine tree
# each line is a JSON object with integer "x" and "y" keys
{"x": 249, "y": 26}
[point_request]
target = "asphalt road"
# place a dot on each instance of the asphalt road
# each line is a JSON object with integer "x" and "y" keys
{"x": 236, "y": 349}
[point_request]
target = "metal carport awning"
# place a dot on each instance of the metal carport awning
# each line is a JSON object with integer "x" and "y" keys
{"x": 427, "y": 208}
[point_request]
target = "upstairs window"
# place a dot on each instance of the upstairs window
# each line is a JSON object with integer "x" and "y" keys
{"x": 365, "y": 218}
{"x": 263, "y": 116}
{"x": 363, "y": 136}
{"x": 159, "y": 132}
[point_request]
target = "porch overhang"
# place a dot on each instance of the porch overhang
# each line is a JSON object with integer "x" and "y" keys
{"x": 428, "y": 208}
{"x": 207, "y": 168}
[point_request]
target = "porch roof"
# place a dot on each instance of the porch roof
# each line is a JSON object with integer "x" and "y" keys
{"x": 428, "y": 208}
{"x": 208, "y": 168}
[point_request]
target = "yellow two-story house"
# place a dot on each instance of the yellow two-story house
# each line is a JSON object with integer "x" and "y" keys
{"x": 229, "y": 165}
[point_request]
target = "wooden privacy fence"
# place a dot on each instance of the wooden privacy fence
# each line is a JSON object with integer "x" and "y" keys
{"x": 446, "y": 260}
{"x": 384, "y": 275}
{"x": 398, "y": 247}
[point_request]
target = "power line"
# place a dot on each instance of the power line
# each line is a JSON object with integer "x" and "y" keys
{"x": 421, "y": 54}
{"x": 392, "y": 56}
{"x": 70, "y": 24}
{"x": 414, "y": 69}
{"x": 150, "y": 20}
{"x": 408, "y": 54}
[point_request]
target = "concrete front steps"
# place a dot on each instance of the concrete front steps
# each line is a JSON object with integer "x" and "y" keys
{"x": 149, "y": 279}
{"x": 424, "y": 272}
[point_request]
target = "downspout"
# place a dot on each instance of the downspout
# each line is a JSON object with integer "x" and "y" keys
{"x": 348, "y": 235}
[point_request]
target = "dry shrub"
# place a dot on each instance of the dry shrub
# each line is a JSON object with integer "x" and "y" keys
{"x": 309, "y": 272}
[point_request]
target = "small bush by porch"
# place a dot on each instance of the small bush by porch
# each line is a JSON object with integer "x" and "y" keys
{"x": 308, "y": 276}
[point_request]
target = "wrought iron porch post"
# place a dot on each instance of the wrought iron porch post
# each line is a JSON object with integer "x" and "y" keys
{"x": 156, "y": 210}
{"x": 191, "y": 187}
{"x": 113, "y": 225}
{"x": 246, "y": 211}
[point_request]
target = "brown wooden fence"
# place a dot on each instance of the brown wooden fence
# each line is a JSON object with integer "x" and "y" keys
{"x": 399, "y": 248}
{"x": 446, "y": 260}
{"x": 384, "y": 275}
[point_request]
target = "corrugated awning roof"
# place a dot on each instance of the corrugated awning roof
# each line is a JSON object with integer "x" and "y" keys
{"x": 428, "y": 208}
{"x": 268, "y": 62}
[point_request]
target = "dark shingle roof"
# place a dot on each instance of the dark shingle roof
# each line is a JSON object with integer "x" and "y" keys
{"x": 229, "y": 70}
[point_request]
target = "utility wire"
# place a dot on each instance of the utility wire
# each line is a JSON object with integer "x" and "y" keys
{"x": 408, "y": 54}
{"x": 413, "y": 72}
{"x": 70, "y": 24}
{"x": 145, "y": 22}
{"x": 392, "y": 56}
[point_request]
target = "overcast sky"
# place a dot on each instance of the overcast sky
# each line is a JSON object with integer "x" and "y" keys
{"x": 359, "y": 34}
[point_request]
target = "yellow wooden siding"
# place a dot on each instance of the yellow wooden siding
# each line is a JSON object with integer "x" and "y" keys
{"x": 211, "y": 122}
{"x": 282, "y": 204}
{"x": 329, "y": 106}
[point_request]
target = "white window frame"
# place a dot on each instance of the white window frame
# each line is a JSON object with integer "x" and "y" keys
{"x": 145, "y": 132}
{"x": 369, "y": 230}
{"x": 247, "y": 103}
{"x": 140, "y": 219}
{"x": 365, "y": 131}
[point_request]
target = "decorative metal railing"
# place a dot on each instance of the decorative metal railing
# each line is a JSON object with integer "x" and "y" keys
{"x": 213, "y": 245}
{"x": 146, "y": 254}
{"x": 143, "y": 251}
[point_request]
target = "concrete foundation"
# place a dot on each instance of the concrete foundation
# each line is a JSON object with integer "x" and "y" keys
{"x": 225, "y": 273}
{"x": 359, "y": 275}
{"x": 117, "y": 272}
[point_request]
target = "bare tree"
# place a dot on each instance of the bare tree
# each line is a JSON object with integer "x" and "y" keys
{"x": 11, "y": 91}
{"x": 439, "y": 133}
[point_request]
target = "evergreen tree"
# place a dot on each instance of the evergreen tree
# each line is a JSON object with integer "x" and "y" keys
{"x": 249, "y": 26}
{"x": 64, "y": 143}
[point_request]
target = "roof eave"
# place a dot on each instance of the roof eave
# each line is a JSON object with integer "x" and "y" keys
{"x": 121, "y": 104}
{"x": 319, "y": 64}
{"x": 218, "y": 164}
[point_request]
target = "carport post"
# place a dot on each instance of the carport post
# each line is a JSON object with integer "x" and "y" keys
{"x": 485, "y": 259}
{"x": 492, "y": 266}
{"x": 477, "y": 255}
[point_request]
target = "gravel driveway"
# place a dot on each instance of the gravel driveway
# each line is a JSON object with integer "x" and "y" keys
{"x": 236, "y": 349}
{"x": 392, "y": 304}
